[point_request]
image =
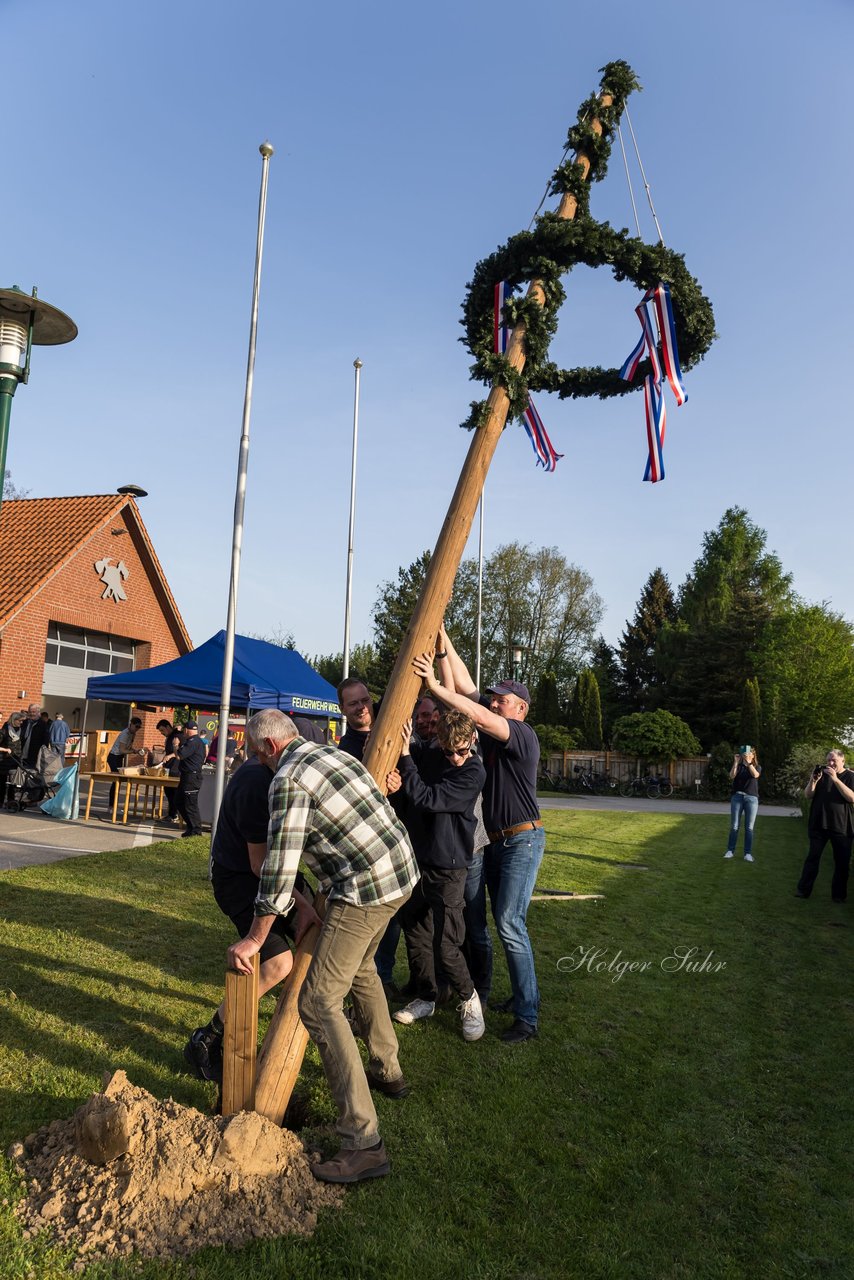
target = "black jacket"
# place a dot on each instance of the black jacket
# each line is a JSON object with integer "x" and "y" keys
{"x": 191, "y": 757}
{"x": 439, "y": 807}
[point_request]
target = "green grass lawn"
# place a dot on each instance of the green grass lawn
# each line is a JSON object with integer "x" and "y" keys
{"x": 665, "y": 1124}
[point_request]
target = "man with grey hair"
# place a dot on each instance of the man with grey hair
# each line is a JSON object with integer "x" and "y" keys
{"x": 326, "y": 808}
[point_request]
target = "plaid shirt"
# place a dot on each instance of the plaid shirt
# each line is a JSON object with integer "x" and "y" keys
{"x": 326, "y": 808}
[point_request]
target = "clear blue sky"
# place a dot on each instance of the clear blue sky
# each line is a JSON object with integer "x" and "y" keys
{"x": 410, "y": 141}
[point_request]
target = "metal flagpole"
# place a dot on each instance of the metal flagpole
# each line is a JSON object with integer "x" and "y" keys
{"x": 357, "y": 365}
{"x": 266, "y": 150}
{"x": 479, "y": 593}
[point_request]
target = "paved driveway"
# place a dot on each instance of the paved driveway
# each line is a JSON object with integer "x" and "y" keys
{"x": 32, "y": 837}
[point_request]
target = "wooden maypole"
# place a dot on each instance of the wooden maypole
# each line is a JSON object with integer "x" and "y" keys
{"x": 281, "y": 1058}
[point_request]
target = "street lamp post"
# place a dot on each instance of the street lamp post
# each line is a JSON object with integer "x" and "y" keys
{"x": 517, "y": 661}
{"x": 25, "y": 322}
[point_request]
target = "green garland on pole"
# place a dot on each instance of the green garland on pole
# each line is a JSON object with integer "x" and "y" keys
{"x": 553, "y": 248}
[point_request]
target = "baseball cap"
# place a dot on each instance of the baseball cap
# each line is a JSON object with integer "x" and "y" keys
{"x": 191, "y": 724}
{"x": 744, "y": 750}
{"x": 511, "y": 686}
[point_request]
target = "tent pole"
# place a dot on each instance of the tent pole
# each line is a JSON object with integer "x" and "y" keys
{"x": 240, "y": 494}
{"x": 75, "y": 801}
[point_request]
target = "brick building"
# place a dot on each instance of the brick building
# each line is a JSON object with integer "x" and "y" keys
{"x": 82, "y": 593}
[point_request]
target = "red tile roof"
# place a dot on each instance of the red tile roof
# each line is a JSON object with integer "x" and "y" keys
{"x": 38, "y": 536}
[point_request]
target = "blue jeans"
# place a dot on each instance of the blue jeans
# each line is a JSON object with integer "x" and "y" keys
{"x": 387, "y": 950}
{"x": 742, "y": 804}
{"x": 510, "y": 869}
{"x": 478, "y": 944}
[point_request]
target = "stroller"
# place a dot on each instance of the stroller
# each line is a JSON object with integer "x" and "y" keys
{"x": 32, "y": 785}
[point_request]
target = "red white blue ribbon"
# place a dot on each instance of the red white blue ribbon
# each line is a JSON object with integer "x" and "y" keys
{"x": 500, "y": 332}
{"x": 656, "y": 425}
{"x": 656, "y": 417}
{"x": 539, "y": 437}
{"x": 667, "y": 329}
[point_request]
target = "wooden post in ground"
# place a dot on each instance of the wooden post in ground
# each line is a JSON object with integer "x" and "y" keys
{"x": 384, "y": 744}
{"x": 240, "y": 1043}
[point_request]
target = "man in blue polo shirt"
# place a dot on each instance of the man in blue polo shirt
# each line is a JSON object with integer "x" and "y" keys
{"x": 511, "y": 814}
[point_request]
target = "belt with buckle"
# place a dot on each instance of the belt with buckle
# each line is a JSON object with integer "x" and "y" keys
{"x": 513, "y": 831}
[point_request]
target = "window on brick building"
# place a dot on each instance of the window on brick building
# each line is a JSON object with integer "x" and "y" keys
{"x": 93, "y": 651}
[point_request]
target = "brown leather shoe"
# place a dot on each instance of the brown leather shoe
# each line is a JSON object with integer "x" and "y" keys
{"x": 391, "y": 1088}
{"x": 353, "y": 1166}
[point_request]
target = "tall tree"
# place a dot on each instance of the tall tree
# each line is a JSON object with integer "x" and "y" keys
{"x": 734, "y": 589}
{"x": 751, "y": 712}
{"x": 640, "y": 675}
{"x": 589, "y": 711}
{"x": 392, "y": 611}
{"x": 604, "y": 665}
{"x": 533, "y": 600}
{"x": 734, "y": 565}
{"x": 806, "y": 667}
{"x": 363, "y": 663}
{"x": 546, "y": 708}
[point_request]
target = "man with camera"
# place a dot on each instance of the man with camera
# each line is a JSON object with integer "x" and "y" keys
{"x": 831, "y": 790}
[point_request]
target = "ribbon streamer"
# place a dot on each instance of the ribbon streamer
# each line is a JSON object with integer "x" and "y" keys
{"x": 656, "y": 416}
{"x": 501, "y": 333}
{"x": 539, "y": 437}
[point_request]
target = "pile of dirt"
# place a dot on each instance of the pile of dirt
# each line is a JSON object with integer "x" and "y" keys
{"x": 128, "y": 1174}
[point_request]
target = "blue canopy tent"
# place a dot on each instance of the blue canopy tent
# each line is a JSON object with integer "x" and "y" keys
{"x": 265, "y": 675}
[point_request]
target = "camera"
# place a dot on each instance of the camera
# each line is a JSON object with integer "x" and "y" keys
{"x": 818, "y": 771}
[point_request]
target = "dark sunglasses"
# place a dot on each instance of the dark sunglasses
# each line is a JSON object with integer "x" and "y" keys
{"x": 458, "y": 751}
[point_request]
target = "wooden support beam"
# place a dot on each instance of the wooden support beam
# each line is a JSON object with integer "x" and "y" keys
{"x": 240, "y": 1043}
{"x": 284, "y": 1044}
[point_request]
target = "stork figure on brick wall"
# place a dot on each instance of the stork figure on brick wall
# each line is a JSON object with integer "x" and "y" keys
{"x": 112, "y": 575}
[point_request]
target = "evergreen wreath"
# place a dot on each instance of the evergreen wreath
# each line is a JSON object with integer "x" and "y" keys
{"x": 553, "y": 248}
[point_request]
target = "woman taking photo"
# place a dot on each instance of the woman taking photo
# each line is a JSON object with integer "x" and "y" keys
{"x": 744, "y": 800}
{"x": 831, "y": 791}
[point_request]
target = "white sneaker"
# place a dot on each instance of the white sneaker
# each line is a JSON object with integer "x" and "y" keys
{"x": 415, "y": 1010}
{"x": 748, "y": 857}
{"x": 472, "y": 1016}
{"x": 729, "y": 853}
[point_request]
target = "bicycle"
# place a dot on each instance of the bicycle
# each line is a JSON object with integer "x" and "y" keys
{"x": 659, "y": 788}
{"x": 651, "y": 786}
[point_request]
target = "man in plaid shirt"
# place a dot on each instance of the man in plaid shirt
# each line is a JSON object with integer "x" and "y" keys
{"x": 326, "y": 808}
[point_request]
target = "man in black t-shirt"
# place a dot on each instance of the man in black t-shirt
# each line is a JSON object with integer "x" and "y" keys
{"x": 357, "y": 707}
{"x": 831, "y": 789}
{"x": 237, "y": 854}
{"x": 190, "y": 756}
{"x": 511, "y": 814}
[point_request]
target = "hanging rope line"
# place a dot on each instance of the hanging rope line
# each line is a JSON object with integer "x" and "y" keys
{"x": 643, "y": 175}
{"x": 629, "y": 180}
{"x": 549, "y": 189}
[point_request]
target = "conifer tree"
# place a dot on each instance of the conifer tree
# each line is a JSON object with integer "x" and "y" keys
{"x": 640, "y": 677}
{"x": 751, "y": 712}
{"x": 589, "y": 711}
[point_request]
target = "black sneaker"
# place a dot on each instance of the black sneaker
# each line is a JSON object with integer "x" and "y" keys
{"x": 203, "y": 1052}
{"x": 519, "y": 1032}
